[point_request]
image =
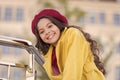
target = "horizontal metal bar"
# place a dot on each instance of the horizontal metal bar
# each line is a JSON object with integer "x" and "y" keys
{"x": 21, "y": 43}
{"x": 13, "y": 64}
{"x": 14, "y": 42}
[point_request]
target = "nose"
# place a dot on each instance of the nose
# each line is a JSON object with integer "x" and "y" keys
{"x": 47, "y": 32}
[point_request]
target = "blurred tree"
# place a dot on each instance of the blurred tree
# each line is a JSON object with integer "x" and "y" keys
{"x": 104, "y": 46}
{"x": 64, "y": 5}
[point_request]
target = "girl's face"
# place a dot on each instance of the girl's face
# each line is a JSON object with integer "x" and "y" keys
{"x": 48, "y": 31}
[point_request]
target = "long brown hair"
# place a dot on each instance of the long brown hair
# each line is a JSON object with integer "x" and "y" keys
{"x": 43, "y": 47}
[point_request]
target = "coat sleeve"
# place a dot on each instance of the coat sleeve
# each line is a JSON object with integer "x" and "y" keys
{"x": 76, "y": 48}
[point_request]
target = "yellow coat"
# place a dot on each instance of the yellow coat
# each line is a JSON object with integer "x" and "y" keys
{"x": 74, "y": 58}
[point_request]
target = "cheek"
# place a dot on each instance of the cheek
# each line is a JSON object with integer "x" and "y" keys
{"x": 42, "y": 37}
{"x": 58, "y": 33}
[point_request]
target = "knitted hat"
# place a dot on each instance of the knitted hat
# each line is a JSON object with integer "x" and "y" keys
{"x": 48, "y": 12}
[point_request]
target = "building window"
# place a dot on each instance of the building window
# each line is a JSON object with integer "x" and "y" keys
{"x": 118, "y": 48}
{"x": 8, "y": 14}
{"x": 5, "y": 50}
{"x": 0, "y": 14}
{"x": 102, "y": 18}
{"x": 18, "y": 73}
{"x": 116, "y": 19}
{"x": 17, "y": 51}
{"x": 3, "y": 71}
{"x": 19, "y": 14}
{"x": 117, "y": 71}
{"x": 82, "y": 20}
{"x": 92, "y": 18}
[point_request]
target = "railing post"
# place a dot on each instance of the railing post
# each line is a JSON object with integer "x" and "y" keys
{"x": 8, "y": 72}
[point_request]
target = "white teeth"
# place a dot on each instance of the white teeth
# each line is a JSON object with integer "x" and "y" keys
{"x": 51, "y": 36}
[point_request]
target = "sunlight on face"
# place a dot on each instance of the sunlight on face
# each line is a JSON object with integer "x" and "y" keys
{"x": 48, "y": 31}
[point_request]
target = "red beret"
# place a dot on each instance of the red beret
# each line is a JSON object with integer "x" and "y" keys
{"x": 48, "y": 12}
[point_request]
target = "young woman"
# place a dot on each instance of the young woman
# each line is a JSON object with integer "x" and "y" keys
{"x": 69, "y": 52}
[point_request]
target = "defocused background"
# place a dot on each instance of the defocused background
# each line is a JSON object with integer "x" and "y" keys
{"x": 100, "y": 18}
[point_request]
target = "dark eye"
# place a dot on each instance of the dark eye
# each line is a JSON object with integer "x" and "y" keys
{"x": 49, "y": 26}
{"x": 41, "y": 32}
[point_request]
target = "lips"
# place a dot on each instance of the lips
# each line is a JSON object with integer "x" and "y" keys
{"x": 50, "y": 36}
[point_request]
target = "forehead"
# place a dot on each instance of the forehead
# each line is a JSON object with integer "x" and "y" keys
{"x": 43, "y": 22}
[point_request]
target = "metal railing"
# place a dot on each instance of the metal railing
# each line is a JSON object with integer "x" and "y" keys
{"x": 33, "y": 55}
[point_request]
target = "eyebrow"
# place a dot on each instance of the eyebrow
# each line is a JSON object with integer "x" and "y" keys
{"x": 45, "y": 25}
{"x": 48, "y": 23}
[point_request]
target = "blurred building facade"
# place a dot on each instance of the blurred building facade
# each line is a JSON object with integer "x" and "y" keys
{"x": 15, "y": 19}
{"x": 102, "y": 20}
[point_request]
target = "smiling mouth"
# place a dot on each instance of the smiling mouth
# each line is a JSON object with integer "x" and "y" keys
{"x": 50, "y": 36}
